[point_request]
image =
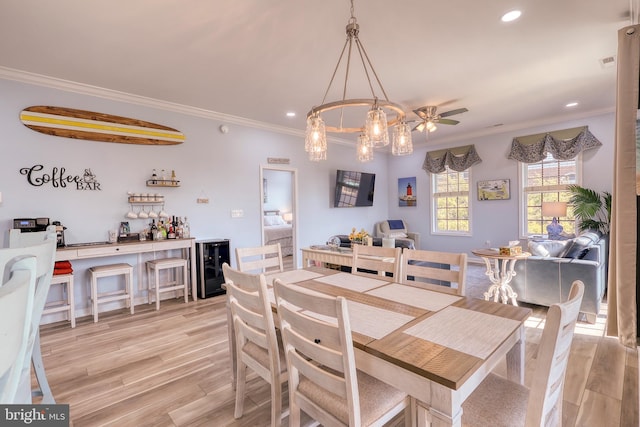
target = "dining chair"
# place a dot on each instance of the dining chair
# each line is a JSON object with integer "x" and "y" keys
{"x": 254, "y": 334}
{"x": 16, "y": 310}
{"x": 260, "y": 259}
{"x": 323, "y": 379}
{"x": 500, "y": 402}
{"x": 433, "y": 270}
{"x": 42, "y": 244}
{"x": 377, "y": 260}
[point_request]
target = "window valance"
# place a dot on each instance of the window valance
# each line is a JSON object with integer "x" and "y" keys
{"x": 458, "y": 159}
{"x": 562, "y": 144}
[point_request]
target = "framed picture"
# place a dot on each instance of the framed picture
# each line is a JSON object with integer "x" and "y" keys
{"x": 407, "y": 191}
{"x": 494, "y": 189}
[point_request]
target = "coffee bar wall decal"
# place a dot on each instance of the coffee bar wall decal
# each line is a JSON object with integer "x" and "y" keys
{"x": 58, "y": 177}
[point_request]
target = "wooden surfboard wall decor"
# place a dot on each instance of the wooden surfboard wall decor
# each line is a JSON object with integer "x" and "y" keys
{"x": 81, "y": 124}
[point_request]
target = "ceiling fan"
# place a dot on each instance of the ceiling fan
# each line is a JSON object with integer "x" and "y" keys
{"x": 429, "y": 117}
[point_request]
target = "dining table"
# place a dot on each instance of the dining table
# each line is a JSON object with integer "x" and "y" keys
{"x": 434, "y": 346}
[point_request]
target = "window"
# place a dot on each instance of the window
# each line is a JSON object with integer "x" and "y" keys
{"x": 546, "y": 181}
{"x": 451, "y": 202}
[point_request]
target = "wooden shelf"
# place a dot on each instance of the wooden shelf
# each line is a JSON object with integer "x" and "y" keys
{"x": 162, "y": 183}
{"x": 132, "y": 200}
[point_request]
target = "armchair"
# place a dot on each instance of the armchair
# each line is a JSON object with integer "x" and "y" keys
{"x": 397, "y": 228}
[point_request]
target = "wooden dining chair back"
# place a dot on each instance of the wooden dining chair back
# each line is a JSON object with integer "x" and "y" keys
{"x": 323, "y": 381}
{"x": 44, "y": 253}
{"x": 261, "y": 259}
{"x": 376, "y": 260}
{"x": 256, "y": 344}
{"x": 438, "y": 271}
{"x": 16, "y": 309}
{"x": 498, "y": 401}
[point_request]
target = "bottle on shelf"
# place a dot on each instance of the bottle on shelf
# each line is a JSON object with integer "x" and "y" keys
{"x": 186, "y": 231}
{"x": 179, "y": 228}
{"x": 154, "y": 230}
{"x": 171, "y": 231}
{"x": 163, "y": 175}
{"x": 154, "y": 177}
{"x": 174, "y": 179}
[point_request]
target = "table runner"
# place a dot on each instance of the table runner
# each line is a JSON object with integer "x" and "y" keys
{"x": 370, "y": 321}
{"x": 291, "y": 276}
{"x": 353, "y": 281}
{"x": 414, "y": 296}
{"x": 467, "y": 331}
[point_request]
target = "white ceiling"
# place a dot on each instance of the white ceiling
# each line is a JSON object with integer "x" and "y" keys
{"x": 258, "y": 59}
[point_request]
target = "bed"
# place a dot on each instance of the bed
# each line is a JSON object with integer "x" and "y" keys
{"x": 277, "y": 230}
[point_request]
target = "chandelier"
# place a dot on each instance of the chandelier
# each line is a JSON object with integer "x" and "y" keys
{"x": 375, "y": 131}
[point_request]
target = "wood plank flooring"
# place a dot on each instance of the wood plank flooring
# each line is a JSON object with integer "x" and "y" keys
{"x": 171, "y": 368}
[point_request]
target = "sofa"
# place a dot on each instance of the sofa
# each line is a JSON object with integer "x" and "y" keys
{"x": 546, "y": 277}
{"x": 396, "y": 229}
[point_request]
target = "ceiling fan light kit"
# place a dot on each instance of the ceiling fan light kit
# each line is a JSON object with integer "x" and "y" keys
{"x": 429, "y": 116}
{"x": 377, "y": 124}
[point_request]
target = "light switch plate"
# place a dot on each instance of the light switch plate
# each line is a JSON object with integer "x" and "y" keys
{"x": 237, "y": 213}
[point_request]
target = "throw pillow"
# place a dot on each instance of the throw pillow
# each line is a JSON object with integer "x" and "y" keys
{"x": 578, "y": 247}
{"x": 548, "y": 248}
{"x": 397, "y": 234}
{"x": 396, "y": 224}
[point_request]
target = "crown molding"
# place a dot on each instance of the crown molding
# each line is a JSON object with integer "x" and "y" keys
{"x": 113, "y": 95}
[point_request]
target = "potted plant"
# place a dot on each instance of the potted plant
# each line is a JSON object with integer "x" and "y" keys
{"x": 591, "y": 208}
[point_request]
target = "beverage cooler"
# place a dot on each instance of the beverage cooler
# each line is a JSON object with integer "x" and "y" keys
{"x": 210, "y": 255}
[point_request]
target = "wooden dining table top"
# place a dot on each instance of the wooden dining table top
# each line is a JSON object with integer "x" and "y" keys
{"x": 442, "y": 337}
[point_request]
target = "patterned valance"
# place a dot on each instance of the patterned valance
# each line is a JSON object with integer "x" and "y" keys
{"x": 458, "y": 159}
{"x": 562, "y": 144}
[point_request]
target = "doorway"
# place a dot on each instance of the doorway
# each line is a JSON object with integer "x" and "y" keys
{"x": 278, "y": 202}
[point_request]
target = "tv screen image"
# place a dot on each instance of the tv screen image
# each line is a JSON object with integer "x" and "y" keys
{"x": 354, "y": 189}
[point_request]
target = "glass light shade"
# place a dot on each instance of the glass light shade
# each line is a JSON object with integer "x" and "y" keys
{"x": 315, "y": 134}
{"x": 318, "y": 152}
{"x": 365, "y": 149}
{"x": 402, "y": 143}
{"x": 431, "y": 127}
{"x": 375, "y": 128}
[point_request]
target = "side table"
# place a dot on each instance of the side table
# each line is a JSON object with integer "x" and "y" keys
{"x": 500, "y": 273}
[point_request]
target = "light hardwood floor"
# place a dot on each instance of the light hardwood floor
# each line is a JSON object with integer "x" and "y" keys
{"x": 171, "y": 368}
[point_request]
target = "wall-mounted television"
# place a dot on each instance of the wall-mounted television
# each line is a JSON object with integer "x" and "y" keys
{"x": 354, "y": 189}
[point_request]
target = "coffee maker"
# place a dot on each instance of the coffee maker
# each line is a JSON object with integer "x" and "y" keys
{"x": 27, "y": 225}
{"x": 59, "y": 233}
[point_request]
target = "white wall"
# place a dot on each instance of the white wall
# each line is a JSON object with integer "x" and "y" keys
{"x": 496, "y": 220}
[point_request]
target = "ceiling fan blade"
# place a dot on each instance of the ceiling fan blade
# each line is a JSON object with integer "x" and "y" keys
{"x": 452, "y": 112}
{"x": 448, "y": 121}
{"x": 420, "y": 127}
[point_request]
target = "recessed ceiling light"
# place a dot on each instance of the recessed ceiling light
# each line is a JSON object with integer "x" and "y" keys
{"x": 291, "y": 114}
{"x": 511, "y": 16}
{"x": 571, "y": 104}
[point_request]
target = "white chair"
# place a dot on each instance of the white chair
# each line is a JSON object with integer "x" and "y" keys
{"x": 500, "y": 402}
{"x": 176, "y": 278}
{"x": 45, "y": 252}
{"x": 377, "y": 260}
{"x": 256, "y": 344}
{"x": 323, "y": 380}
{"x": 46, "y": 261}
{"x": 436, "y": 271}
{"x": 260, "y": 259}
{"x": 110, "y": 270}
{"x": 16, "y": 311}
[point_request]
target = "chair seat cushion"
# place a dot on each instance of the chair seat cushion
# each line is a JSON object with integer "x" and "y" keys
{"x": 261, "y": 355}
{"x": 497, "y": 402}
{"x": 376, "y": 398}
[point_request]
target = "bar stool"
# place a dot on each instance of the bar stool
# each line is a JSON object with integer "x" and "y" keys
{"x": 103, "y": 297}
{"x": 154, "y": 267}
{"x": 67, "y": 303}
